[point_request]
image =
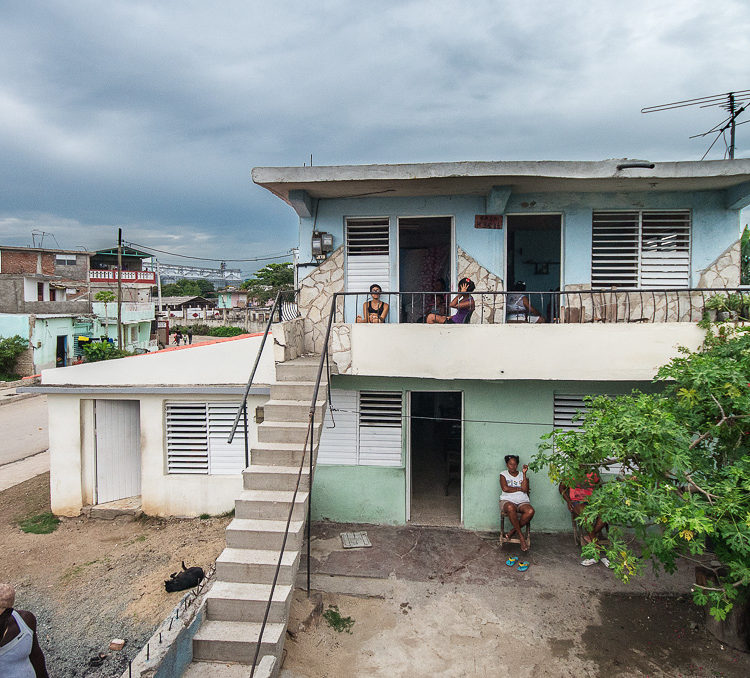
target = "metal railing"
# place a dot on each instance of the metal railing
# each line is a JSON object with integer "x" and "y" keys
{"x": 309, "y": 438}
{"x": 611, "y": 305}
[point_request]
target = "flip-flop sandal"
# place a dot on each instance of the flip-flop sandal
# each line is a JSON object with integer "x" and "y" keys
{"x": 511, "y": 561}
{"x": 523, "y": 566}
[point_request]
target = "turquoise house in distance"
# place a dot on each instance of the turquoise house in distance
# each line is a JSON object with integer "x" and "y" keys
{"x": 617, "y": 259}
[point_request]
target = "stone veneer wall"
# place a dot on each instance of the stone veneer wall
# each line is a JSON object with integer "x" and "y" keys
{"x": 725, "y": 271}
{"x": 288, "y": 340}
{"x": 341, "y": 348}
{"x": 489, "y": 307}
{"x": 316, "y": 292}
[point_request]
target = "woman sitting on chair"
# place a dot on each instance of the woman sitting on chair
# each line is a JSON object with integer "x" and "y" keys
{"x": 463, "y": 302}
{"x": 374, "y": 310}
{"x": 520, "y": 309}
{"x": 514, "y": 501}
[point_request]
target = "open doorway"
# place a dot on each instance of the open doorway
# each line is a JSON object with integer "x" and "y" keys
{"x": 534, "y": 246}
{"x": 424, "y": 265}
{"x": 435, "y": 457}
{"x": 61, "y": 353}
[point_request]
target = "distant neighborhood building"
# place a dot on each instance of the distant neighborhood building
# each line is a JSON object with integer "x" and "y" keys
{"x": 137, "y": 282}
{"x": 232, "y": 297}
{"x": 188, "y": 308}
{"x": 48, "y": 296}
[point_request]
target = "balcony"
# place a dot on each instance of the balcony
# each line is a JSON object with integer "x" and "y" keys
{"x": 138, "y": 277}
{"x": 131, "y": 311}
{"x": 582, "y": 335}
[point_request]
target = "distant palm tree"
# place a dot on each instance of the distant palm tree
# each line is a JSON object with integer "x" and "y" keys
{"x": 105, "y": 296}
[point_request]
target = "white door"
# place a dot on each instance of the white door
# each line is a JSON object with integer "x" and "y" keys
{"x": 118, "y": 449}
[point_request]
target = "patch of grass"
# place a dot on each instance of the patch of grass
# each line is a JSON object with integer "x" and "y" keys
{"x": 42, "y": 523}
{"x": 227, "y": 514}
{"x": 75, "y": 570}
{"x": 336, "y": 621}
{"x": 204, "y": 516}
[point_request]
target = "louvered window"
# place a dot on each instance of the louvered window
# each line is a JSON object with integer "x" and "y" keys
{"x": 649, "y": 249}
{"x": 197, "y": 435}
{"x": 364, "y": 429}
{"x": 380, "y": 428}
{"x": 367, "y": 254}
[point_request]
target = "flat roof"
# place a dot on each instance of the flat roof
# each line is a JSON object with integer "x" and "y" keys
{"x": 478, "y": 178}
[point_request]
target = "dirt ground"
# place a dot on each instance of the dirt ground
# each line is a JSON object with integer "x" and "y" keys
{"x": 93, "y": 580}
{"x": 437, "y": 602}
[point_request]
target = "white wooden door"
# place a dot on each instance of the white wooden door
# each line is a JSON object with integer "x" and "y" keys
{"x": 118, "y": 450}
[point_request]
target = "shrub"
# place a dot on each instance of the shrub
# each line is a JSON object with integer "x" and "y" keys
{"x": 103, "y": 350}
{"x": 10, "y": 349}
{"x": 226, "y": 331}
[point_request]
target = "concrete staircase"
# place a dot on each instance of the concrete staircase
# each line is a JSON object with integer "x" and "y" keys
{"x": 244, "y": 571}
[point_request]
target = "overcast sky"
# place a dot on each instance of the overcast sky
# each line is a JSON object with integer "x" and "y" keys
{"x": 151, "y": 115}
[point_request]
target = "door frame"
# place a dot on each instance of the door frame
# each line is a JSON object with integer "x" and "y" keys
{"x": 397, "y": 259}
{"x": 562, "y": 243}
{"x": 407, "y": 443}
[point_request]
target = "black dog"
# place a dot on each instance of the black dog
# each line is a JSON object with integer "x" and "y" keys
{"x": 189, "y": 577}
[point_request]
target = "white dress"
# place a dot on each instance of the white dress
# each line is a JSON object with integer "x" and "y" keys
{"x": 516, "y": 498}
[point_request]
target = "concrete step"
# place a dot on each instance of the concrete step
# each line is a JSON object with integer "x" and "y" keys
{"x": 300, "y": 370}
{"x": 244, "y": 533}
{"x": 270, "y": 504}
{"x": 267, "y": 668}
{"x": 256, "y": 565}
{"x": 236, "y": 641}
{"x": 278, "y": 454}
{"x": 286, "y": 432}
{"x": 291, "y": 410}
{"x": 296, "y": 390}
{"x": 282, "y": 478}
{"x": 238, "y": 601}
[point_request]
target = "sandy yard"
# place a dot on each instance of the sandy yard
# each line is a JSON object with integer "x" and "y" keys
{"x": 93, "y": 580}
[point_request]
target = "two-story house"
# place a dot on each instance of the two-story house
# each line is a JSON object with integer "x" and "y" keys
{"x": 615, "y": 258}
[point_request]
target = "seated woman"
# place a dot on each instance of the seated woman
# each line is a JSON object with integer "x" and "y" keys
{"x": 576, "y": 499}
{"x": 520, "y": 309}
{"x": 374, "y": 310}
{"x": 463, "y": 302}
{"x": 514, "y": 500}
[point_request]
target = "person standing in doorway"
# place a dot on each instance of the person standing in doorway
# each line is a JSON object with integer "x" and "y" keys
{"x": 20, "y": 654}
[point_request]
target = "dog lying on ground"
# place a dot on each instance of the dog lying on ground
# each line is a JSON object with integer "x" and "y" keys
{"x": 189, "y": 577}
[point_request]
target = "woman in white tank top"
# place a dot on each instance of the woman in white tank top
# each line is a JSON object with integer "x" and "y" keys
{"x": 20, "y": 654}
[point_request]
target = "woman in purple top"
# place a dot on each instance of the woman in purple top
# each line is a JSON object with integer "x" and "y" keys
{"x": 463, "y": 302}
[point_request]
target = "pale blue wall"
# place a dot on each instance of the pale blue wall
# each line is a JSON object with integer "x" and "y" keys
{"x": 714, "y": 228}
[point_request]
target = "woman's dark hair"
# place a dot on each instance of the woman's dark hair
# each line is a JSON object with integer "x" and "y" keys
{"x": 375, "y": 286}
{"x": 512, "y": 456}
{"x": 520, "y": 286}
{"x": 469, "y": 282}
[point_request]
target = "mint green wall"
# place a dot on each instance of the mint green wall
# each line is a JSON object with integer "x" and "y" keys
{"x": 361, "y": 494}
{"x": 500, "y": 418}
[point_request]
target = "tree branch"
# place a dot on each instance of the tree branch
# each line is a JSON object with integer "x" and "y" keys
{"x": 708, "y": 495}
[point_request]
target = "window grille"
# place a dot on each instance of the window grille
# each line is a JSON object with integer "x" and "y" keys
{"x": 648, "y": 249}
{"x": 197, "y": 435}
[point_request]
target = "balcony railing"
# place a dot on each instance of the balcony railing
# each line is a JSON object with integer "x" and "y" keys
{"x": 147, "y": 277}
{"x": 580, "y": 306}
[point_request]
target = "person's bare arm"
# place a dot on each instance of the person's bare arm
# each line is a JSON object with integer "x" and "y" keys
{"x": 531, "y": 310}
{"x": 525, "y": 481}
{"x": 36, "y": 657}
{"x": 363, "y": 318}
{"x": 507, "y": 488}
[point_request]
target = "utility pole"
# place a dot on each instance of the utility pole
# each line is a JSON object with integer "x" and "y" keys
{"x": 158, "y": 282}
{"x": 119, "y": 288}
{"x": 732, "y": 116}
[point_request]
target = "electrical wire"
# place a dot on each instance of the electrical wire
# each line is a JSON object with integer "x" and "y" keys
{"x": 187, "y": 256}
{"x": 460, "y": 420}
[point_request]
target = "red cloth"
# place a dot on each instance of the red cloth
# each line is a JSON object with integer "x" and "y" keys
{"x": 584, "y": 491}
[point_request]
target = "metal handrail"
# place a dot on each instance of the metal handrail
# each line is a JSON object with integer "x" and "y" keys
{"x": 243, "y": 406}
{"x": 610, "y": 304}
{"x": 310, "y": 436}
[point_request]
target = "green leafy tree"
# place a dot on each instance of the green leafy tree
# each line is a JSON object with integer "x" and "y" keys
{"x": 10, "y": 349}
{"x": 745, "y": 256}
{"x": 103, "y": 350}
{"x": 269, "y": 281}
{"x": 206, "y": 287}
{"x": 182, "y": 288}
{"x": 684, "y": 490}
{"x": 106, "y": 297}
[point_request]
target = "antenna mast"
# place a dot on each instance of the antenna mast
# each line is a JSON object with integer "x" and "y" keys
{"x": 729, "y": 101}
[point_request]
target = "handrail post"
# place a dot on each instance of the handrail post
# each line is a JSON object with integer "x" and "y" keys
{"x": 309, "y": 492}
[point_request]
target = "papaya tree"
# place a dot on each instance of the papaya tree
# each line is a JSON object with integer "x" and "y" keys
{"x": 682, "y": 487}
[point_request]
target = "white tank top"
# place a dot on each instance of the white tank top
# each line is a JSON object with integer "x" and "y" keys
{"x": 514, "y": 481}
{"x": 14, "y": 657}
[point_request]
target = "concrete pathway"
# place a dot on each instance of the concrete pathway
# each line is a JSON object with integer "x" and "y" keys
{"x": 23, "y": 422}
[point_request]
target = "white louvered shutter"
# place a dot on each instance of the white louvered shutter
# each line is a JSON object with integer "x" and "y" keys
{"x": 338, "y": 441}
{"x": 380, "y": 419}
{"x": 187, "y": 439}
{"x": 615, "y": 248}
{"x": 367, "y": 254}
{"x": 225, "y": 458}
{"x": 665, "y": 250}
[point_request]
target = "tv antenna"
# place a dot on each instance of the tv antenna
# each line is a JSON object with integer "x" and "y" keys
{"x": 40, "y": 234}
{"x": 729, "y": 102}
